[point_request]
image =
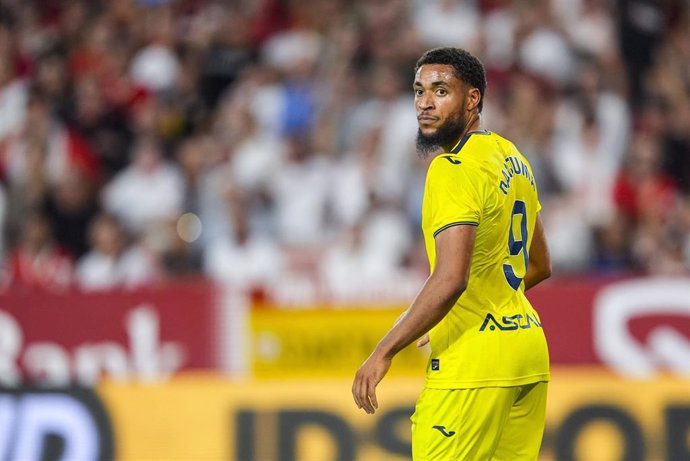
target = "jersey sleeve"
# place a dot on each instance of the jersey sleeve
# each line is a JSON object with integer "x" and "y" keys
{"x": 454, "y": 191}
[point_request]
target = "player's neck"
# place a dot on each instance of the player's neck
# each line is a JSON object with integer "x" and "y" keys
{"x": 473, "y": 124}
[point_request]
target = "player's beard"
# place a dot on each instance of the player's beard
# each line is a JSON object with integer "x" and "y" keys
{"x": 445, "y": 135}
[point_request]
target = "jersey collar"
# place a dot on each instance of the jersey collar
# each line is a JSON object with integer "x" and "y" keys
{"x": 464, "y": 139}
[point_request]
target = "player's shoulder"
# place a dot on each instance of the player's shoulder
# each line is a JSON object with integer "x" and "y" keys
{"x": 487, "y": 144}
{"x": 507, "y": 146}
{"x": 501, "y": 140}
{"x": 494, "y": 150}
{"x": 450, "y": 167}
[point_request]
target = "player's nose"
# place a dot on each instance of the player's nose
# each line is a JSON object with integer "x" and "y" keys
{"x": 424, "y": 102}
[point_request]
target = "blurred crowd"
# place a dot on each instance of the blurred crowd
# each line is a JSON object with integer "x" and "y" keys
{"x": 272, "y": 142}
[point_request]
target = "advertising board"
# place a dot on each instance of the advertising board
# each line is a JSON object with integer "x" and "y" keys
{"x": 638, "y": 327}
{"x": 78, "y": 338}
{"x": 324, "y": 341}
{"x": 69, "y": 423}
{"x": 593, "y": 415}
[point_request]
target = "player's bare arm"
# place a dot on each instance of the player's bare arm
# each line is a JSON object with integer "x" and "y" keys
{"x": 438, "y": 295}
{"x": 539, "y": 267}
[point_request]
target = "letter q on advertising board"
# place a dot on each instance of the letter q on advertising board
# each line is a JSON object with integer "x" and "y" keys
{"x": 666, "y": 349}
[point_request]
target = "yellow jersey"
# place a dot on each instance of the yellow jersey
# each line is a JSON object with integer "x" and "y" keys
{"x": 492, "y": 336}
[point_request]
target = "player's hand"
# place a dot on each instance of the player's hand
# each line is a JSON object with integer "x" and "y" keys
{"x": 367, "y": 378}
{"x": 423, "y": 341}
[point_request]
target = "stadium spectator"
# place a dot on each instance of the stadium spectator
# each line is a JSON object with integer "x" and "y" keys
{"x": 440, "y": 22}
{"x": 38, "y": 261}
{"x": 45, "y": 146}
{"x": 242, "y": 258}
{"x": 354, "y": 180}
{"x": 156, "y": 65}
{"x": 103, "y": 125}
{"x": 299, "y": 192}
{"x": 640, "y": 28}
{"x": 71, "y": 205}
{"x": 541, "y": 46}
{"x": 227, "y": 53}
{"x": 193, "y": 158}
{"x": 590, "y": 27}
{"x": 369, "y": 255}
{"x": 612, "y": 243}
{"x": 642, "y": 191}
{"x": 147, "y": 191}
{"x": 52, "y": 77}
{"x": 112, "y": 263}
{"x": 13, "y": 87}
{"x": 387, "y": 109}
{"x": 648, "y": 197}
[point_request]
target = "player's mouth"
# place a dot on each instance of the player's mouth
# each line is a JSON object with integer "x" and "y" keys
{"x": 425, "y": 118}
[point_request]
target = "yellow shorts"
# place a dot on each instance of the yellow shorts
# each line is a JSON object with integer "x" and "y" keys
{"x": 482, "y": 424}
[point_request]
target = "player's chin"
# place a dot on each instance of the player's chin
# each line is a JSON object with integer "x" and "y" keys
{"x": 427, "y": 129}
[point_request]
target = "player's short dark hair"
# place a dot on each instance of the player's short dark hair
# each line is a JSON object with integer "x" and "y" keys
{"x": 467, "y": 67}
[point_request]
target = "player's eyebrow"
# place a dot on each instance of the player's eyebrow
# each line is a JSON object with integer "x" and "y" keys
{"x": 433, "y": 84}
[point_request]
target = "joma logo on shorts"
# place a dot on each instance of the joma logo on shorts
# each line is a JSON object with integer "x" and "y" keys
{"x": 509, "y": 322}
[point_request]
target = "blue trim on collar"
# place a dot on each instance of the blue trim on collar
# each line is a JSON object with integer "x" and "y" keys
{"x": 465, "y": 138}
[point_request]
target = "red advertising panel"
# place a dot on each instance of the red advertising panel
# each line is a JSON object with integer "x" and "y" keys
{"x": 637, "y": 326}
{"x": 77, "y": 337}
{"x": 565, "y": 309}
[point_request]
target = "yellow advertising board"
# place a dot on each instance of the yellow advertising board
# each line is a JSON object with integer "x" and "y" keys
{"x": 326, "y": 342}
{"x": 593, "y": 415}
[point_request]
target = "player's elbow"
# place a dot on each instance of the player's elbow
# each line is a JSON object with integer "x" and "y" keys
{"x": 546, "y": 271}
{"x": 543, "y": 271}
{"x": 460, "y": 288}
{"x": 454, "y": 294}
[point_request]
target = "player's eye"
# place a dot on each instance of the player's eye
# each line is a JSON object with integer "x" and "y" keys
{"x": 418, "y": 92}
{"x": 441, "y": 92}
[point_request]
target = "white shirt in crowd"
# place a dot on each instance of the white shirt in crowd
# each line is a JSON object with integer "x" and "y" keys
{"x": 13, "y": 97}
{"x": 257, "y": 261}
{"x": 97, "y": 271}
{"x": 300, "y": 193}
{"x": 138, "y": 197}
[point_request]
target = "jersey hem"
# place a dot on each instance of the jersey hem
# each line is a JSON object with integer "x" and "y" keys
{"x": 469, "y": 384}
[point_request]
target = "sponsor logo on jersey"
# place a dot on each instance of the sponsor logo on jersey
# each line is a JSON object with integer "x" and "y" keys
{"x": 510, "y": 322}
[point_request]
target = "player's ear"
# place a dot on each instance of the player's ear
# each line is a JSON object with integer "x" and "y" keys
{"x": 473, "y": 98}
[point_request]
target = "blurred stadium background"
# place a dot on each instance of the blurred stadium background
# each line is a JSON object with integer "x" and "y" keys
{"x": 210, "y": 214}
